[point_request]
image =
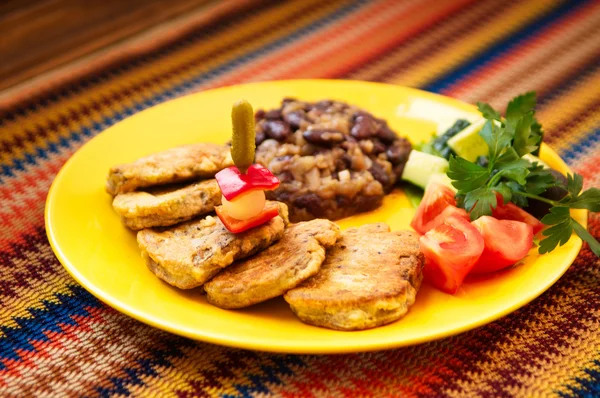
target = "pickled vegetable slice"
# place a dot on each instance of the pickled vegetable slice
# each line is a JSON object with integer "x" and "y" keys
{"x": 233, "y": 183}
{"x": 242, "y": 144}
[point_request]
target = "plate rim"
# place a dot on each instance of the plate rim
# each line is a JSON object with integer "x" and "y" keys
{"x": 252, "y": 345}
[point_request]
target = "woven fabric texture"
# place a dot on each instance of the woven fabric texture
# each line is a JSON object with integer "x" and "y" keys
{"x": 57, "y": 340}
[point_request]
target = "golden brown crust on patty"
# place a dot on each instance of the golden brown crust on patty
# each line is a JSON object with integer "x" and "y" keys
{"x": 188, "y": 255}
{"x": 369, "y": 278}
{"x": 168, "y": 206}
{"x": 178, "y": 164}
{"x": 272, "y": 272}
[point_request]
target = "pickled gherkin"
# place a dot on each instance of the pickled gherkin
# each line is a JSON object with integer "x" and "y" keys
{"x": 242, "y": 144}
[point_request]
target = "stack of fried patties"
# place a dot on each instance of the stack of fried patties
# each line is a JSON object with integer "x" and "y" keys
{"x": 358, "y": 279}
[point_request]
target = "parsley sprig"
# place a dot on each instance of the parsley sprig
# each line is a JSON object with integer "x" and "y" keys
{"x": 517, "y": 179}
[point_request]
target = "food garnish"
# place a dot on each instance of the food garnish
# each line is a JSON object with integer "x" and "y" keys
{"x": 517, "y": 179}
{"x": 506, "y": 242}
{"x": 234, "y": 183}
{"x": 243, "y": 185}
{"x": 421, "y": 166}
{"x": 242, "y": 140}
{"x": 436, "y": 199}
{"x": 510, "y": 211}
{"x": 439, "y": 145}
{"x": 451, "y": 250}
{"x": 236, "y": 226}
{"x": 494, "y": 170}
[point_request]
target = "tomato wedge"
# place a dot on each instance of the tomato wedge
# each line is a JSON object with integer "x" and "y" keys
{"x": 510, "y": 211}
{"x": 447, "y": 212}
{"x": 451, "y": 250}
{"x": 435, "y": 199}
{"x": 236, "y": 226}
{"x": 506, "y": 242}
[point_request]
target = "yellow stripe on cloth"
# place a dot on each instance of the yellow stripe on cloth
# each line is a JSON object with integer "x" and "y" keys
{"x": 537, "y": 66}
{"x": 216, "y": 370}
{"x": 34, "y": 291}
{"x": 420, "y": 73}
{"x": 542, "y": 374}
{"x": 232, "y": 43}
{"x": 565, "y": 108}
{"x": 450, "y": 27}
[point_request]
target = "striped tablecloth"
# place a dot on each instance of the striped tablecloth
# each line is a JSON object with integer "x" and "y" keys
{"x": 56, "y": 339}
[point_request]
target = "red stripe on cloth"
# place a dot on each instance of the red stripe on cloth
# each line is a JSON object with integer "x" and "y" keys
{"x": 499, "y": 65}
{"x": 590, "y": 170}
{"x": 44, "y": 350}
{"x": 23, "y": 198}
{"x": 327, "y": 36}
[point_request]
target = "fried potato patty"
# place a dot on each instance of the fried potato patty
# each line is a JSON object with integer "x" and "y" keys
{"x": 369, "y": 278}
{"x": 272, "y": 272}
{"x": 167, "y": 206}
{"x": 173, "y": 165}
{"x": 189, "y": 254}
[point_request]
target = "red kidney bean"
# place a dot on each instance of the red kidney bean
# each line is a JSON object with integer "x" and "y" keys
{"x": 259, "y": 137}
{"x": 379, "y": 174}
{"x": 323, "y": 137}
{"x": 323, "y": 105}
{"x": 387, "y": 135}
{"x": 273, "y": 114}
{"x": 259, "y": 115}
{"x": 398, "y": 152}
{"x": 378, "y": 147}
{"x": 277, "y": 129}
{"x": 294, "y": 118}
{"x": 363, "y": 127}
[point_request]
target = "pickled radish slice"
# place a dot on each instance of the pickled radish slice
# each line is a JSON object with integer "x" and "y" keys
{"x": 245, "y": 206}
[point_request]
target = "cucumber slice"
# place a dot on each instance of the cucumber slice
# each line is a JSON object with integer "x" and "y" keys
{"x": 421, "y": 166}
{"x": 468, "y": 143}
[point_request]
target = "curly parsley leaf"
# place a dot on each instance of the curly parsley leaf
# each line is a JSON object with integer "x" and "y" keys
{"x": 515, "y": 171}
{"x": 538, "y": 134}
{"x": 562, "y": 226}
{"x": 508, "y": 156}
{"x": 560, "y": 221}
{"x": 517, "y": 179}
{"x": 539, "y": 179}
{"x": 524, "y": 142}
{"x": 574, "y": 184}
{"x": 587, "y": 237}
{"x": 560, "y": 231}
{"x": 496, "y": 138}
{"x": 504, "y": 190}
{"x": 517, "y": 108}
{"x": 517, "y": 198}
{"x": 480, "y": 202}
{"x": 488, "y": 112}
{"x": 589, "y": 199}
{"x": 520, "y": 105}
{"x": 467, "y": 176}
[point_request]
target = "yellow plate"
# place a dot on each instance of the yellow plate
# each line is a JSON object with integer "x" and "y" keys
{"x": 102, "y": 255}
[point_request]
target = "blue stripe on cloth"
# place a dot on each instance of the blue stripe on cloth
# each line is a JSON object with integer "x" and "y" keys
{"x": 571, "y": 153}
{"x": 7, "y": 170}
{"x": 146, "y": 367}
{"x": 45, "y": 320}
{"x": 589, "y": 386}
{"x": 55, "y": 315}
{"x": 499, "y": 48}
{"x": 575, "y": 76}
{"x": 270, "y": 376}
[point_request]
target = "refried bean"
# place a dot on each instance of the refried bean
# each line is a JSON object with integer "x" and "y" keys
{"x": 333, "y": 159}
